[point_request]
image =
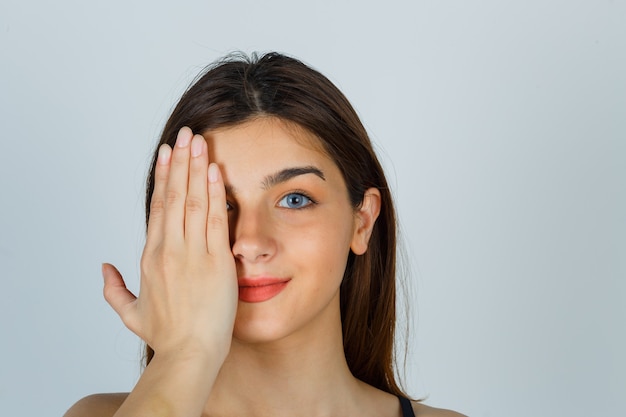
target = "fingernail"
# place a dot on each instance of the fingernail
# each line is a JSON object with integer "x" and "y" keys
{"x": 196, "y": 146}
{"x": 213, "y": 172}
{"x": 183, "y": 138}
{"x": 164, "y": 154}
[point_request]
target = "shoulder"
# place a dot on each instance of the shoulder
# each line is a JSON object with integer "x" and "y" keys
{"x": 422, "y": 410}
{"x": 97, "y": 405}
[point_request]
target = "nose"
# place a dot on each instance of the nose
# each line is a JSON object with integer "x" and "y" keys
{"x": 251, "y": 237}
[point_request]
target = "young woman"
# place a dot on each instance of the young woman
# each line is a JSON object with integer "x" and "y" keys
{"x": 268, "y": 275}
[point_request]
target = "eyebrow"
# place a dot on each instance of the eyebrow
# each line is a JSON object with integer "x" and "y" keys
{"x": 283, "y": 176}
{"x": 289, "y": 173}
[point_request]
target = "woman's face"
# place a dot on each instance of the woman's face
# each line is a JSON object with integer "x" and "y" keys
{"x": 291, "y": 228}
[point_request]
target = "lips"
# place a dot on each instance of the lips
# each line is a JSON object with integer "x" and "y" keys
{"x": 257, "y": 290}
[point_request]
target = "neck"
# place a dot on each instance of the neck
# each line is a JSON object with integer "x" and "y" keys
{"x": 303, "y": 371}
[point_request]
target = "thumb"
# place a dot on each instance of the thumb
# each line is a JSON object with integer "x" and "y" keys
{"x": 115, "y": 291}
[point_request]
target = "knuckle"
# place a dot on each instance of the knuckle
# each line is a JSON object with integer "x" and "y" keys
{"x": 195, "y": 204}
{"x": 156, "y": 205}
{"x": 216, "y": 222}
{"x": 179, "y": 156}
{"x": 145, "y": 265}
{"x": 164, "y": 261}
{"x": 172, "y": 197}
{"x": 160, "y": 174}
{"x": 109, "y": 293}
{"x": 168, "y": 255}
{"x": 217, "y": 194}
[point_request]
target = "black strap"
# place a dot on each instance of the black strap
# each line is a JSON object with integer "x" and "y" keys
{"x": 407, "y": 409}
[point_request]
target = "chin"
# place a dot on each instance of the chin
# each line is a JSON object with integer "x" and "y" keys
{"x": 263, "y": 324}
{"x": 254, "y": 334}
{"x": 255, "y": 327}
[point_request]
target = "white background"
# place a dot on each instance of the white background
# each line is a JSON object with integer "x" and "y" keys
{"x": 502, "y": 126}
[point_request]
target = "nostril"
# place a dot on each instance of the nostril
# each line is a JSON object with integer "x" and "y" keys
{"x": 251, "y": 257}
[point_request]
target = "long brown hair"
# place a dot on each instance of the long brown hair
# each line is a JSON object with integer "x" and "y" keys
{"x": 239, "y": 88}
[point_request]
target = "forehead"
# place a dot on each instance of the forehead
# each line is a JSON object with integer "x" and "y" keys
{"x": 265, "y": 141}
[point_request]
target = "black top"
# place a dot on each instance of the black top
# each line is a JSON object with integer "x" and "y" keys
{"x": 407, "y": 409}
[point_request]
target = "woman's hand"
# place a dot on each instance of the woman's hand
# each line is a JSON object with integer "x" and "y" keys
{"x": 188, "y": 295}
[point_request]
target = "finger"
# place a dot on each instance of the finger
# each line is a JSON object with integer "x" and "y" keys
{"x": 176, "y": 188}
{"x": 116, "y": 293}
{"x": 217, "y": 220}
{"x": 157, "y": 202}
{"x": 197, "y": 201}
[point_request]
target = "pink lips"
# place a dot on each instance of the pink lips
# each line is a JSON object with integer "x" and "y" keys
{"x": 256, "y": 290}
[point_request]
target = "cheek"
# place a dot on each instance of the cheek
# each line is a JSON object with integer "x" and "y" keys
{"x": 322, "y": 245}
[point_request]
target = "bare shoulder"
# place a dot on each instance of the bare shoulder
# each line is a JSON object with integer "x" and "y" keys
{"x": 422, "y": 410}
{"x": 97, "y": 405}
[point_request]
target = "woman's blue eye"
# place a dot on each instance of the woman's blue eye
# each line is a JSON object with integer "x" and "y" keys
{"x": 295, "y": 201}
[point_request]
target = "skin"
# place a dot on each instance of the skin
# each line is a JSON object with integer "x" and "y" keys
{"x": 220, "y": 356}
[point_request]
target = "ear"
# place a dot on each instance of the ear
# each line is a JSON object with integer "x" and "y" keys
{"x": 364, "y": 220}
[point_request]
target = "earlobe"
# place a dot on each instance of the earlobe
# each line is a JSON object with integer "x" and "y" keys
{"x": 365, "y": 218}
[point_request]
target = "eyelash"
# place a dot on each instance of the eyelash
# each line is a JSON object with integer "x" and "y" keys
{"x": 300, "y": 193}
{"x": 231, "y": 206}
